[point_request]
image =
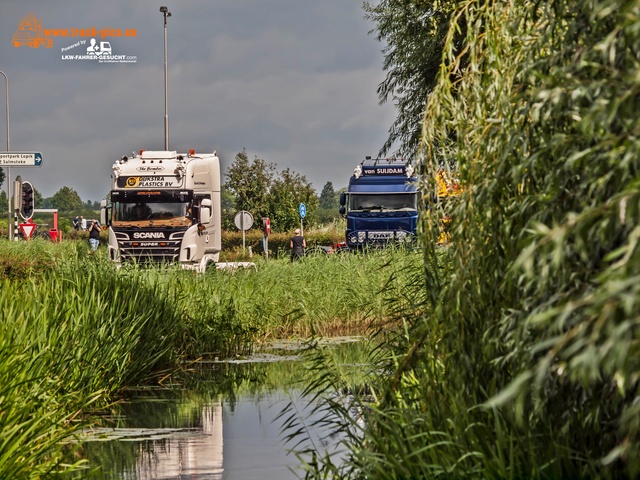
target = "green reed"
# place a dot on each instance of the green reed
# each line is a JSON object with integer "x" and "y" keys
{"x": 76, "y": 331}
{"x": 71, "y": 337}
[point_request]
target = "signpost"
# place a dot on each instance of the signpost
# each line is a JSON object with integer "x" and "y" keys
{"x": 303, "y": 213}
{"x": 17, "y": 193}
{"x": 27, "y": 229}
{"x": 266, "y": 227}
{"x": 10, "y": 159}
{"x": 18, "y": 159}
{"x": 17, "y": 203}
{"x": 243, "y": 221}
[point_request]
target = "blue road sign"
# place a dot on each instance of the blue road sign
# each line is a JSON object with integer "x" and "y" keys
{"x": 302, "y": 210}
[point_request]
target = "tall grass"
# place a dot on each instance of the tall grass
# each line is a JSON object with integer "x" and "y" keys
{"x": 76, "y": 331}
{"x": 71, "y": 337}
{"x": 227, "y": 312}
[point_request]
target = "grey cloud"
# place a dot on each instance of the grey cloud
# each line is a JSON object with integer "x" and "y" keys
{"x": 292, "y": 81}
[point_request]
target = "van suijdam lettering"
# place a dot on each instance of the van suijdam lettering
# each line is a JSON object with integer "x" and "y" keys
{"x": 148, "y": 235}
{"x": 389, "y": 171}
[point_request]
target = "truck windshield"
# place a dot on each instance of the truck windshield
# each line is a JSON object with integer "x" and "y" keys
{"x": 153, "y": 209}
{"x": 383, "y": 202}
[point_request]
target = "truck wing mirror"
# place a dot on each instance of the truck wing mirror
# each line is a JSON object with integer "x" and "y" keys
{"x": 205, "y": 211}
{"x": 342, "y": 210}
{"x": 105, "y": 214}
{"x": 343, "y": 199}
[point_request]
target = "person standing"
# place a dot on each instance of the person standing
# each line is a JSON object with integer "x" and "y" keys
{"x": 94, "y": 235}
{"x": 83, "y": 223}
{"x": 76, "y": 223}
{"x": 297, "y": 244}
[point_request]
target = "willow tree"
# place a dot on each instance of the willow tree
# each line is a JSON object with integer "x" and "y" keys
{"x": 526, "y": 360}
{"x": 537, "y": 324}
{"x": 413, "y": 34}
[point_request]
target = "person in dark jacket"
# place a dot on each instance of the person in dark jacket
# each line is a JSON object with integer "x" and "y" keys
{"x": 297, "y": 244}
{"x": 94, "y": 235}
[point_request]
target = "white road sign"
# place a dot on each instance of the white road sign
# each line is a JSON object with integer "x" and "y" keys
{"x": 243, "y": 220}
{"x": 20, "y": 159}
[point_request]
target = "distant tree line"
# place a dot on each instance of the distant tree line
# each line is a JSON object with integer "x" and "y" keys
{"x": 255, "y": 186}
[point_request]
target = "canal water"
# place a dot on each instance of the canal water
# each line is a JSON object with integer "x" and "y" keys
{"x": 218, "y": 420}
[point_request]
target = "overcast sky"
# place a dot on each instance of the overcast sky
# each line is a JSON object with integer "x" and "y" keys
{"x": 291, "y": 81}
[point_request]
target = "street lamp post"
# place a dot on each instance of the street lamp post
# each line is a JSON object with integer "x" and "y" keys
{"x": 8, "y": 179}
{"x": 166, "y": 13}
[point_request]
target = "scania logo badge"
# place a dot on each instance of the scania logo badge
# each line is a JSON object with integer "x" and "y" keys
{"x": 148, "y": 235}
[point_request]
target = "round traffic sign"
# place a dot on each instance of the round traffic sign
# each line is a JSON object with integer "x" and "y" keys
{"x": 243, "y": 220}
{"x": 303, "y": 210}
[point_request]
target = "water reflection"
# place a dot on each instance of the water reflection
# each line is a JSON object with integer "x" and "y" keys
{"x": 219, "y": 422}
{"x": 194, "y": 453}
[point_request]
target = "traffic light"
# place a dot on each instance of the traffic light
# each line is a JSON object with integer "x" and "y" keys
{"x": 27, "y": 204}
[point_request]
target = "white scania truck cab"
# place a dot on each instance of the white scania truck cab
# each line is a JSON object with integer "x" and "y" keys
{"x": 164, "y": 207}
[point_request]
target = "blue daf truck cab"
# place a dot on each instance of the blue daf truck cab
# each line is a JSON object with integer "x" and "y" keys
{"x": 380, "y": 204}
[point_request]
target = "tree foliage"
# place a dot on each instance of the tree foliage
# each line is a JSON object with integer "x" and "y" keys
{"x": 328, "y": 197}
{"x": 539, "y": 317}
{"x": 250, "y": 183}
{"x": 228, "y": 207}
{"x": 257, "y": 188}
{"x": 289, "y": 190}
{"x": 67, "y": 201}
{"x": 4, "y": 203}
{"x": 38, "y": 199}
{"x": 413, "y": 32}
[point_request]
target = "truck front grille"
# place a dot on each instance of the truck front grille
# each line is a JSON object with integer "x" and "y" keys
{"x": 149, "y": 250}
